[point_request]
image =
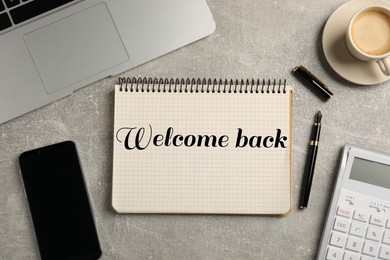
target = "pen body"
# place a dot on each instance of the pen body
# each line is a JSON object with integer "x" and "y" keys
{"x": 309, "y": 176}
{"x": 310, "y": 165}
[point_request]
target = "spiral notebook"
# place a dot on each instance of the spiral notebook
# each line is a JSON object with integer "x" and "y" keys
{"x": 202, "y": 146}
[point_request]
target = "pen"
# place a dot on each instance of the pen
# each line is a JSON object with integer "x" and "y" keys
{"x": 313, "y": 82}
{"x": 311, "y": 163}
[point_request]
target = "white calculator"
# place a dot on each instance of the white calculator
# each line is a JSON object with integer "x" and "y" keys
{"x": 358, "y": 222}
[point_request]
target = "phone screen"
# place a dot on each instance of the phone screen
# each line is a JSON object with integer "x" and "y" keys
{"x": 59, "y": 203}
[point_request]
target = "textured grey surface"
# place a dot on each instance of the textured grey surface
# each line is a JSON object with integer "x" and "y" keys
{"x": 253, "y": 39}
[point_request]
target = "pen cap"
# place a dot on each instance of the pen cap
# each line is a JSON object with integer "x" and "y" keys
{"x": 312, "y": 82}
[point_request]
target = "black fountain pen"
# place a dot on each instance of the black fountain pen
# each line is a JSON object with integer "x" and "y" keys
{"x": 311, "y": 163}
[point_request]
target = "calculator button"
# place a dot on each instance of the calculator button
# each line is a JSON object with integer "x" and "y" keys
{"x": 386, "y": 237}
{"x": 377, "y": 220}
{"x": 360, "y": 216}
{"x": 357, "y": 229}
{"x": 337, "y": 240}
{"x": 340, "y": 224}
{"x": 354, "y": 244}
{"x": 388, "y": 224}
{"x": 334, "y": 254}
{"x": 384, "y": 253}
{"x": 350, "y": 256}
{"x": 344, "y": 212}
{"x": 370, "y": 249}
{"x": 365, "y": 257}
{"x": 373, "y": 234}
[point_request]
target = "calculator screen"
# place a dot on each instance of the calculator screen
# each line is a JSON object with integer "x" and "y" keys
{"x": 370, "y": 172}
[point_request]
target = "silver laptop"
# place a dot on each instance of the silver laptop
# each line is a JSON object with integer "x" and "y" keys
{"x": 49, "y": 48}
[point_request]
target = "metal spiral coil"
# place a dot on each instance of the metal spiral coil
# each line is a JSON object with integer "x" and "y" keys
{"x": 201, "y": 85}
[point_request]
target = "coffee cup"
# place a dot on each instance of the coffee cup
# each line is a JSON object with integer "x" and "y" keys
{"x": 368, "y": 36}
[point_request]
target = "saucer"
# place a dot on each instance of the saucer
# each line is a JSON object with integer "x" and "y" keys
{"x": 335, "y": 47}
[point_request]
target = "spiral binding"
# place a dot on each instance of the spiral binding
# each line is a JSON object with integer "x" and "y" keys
{"x": 201, "y": 85}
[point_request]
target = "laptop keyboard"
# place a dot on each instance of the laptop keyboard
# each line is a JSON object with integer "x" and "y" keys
{"x": 13, "y": 12}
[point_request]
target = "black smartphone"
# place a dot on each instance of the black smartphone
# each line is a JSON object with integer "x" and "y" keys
{"x": 59, "y": 204}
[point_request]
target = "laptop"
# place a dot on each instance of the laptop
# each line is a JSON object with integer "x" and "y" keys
{"x": 51, "y": 48}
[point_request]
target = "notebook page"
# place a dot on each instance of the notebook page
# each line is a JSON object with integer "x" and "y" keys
{"x": 222, "y": 153}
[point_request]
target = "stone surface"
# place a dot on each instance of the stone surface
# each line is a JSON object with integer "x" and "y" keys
{"x": 253, "y": 39}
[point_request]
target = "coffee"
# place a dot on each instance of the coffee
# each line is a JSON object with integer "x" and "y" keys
{"x": 371, "y": 32}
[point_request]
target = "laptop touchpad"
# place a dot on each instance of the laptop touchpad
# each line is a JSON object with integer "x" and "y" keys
{"x": 75, "y": 48}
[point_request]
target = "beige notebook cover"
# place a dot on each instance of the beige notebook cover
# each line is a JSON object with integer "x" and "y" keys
{"x": 202, "y": 148}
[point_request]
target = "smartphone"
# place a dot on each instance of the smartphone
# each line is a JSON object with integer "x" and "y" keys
{"x": 59, "y": 204}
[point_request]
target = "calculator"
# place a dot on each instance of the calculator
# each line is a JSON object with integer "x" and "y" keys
{"x": 357, "y": 226}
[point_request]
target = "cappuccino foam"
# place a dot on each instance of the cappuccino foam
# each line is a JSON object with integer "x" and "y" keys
{"x": 371, "y": 32}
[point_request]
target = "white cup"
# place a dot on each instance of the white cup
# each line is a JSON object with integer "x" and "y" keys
{"x": 368, "y": 36}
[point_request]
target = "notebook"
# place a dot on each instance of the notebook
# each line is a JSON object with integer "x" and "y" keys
{"x": 202, "y": 146}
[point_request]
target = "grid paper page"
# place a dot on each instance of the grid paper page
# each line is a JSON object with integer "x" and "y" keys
{"x": 159, "y": 166}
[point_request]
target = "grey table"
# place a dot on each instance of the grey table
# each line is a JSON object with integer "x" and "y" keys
{"x": 253, "y": 39}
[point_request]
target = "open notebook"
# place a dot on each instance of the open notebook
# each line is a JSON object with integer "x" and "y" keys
{"x": 213, "y": 147}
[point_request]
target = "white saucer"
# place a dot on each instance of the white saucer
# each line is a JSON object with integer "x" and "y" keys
{"x": 335, "y": 47}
